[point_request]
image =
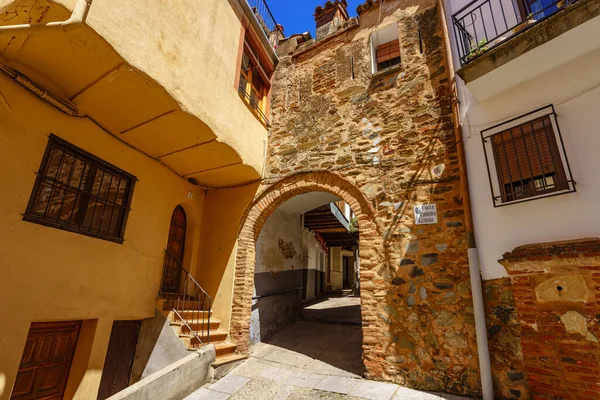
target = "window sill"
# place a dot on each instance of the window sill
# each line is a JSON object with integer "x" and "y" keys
{"x": 563, "y": 188}
{"x": 63, "y": 227}
{"x": 387, "y": 71}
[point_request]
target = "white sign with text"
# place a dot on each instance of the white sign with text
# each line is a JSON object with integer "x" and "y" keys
{"x": 426, "y": 214}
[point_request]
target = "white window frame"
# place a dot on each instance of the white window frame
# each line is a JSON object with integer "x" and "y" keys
{"x": 381, "y": 36}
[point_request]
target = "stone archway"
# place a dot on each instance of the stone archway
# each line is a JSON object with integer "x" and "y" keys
{"x": 256, "y": 215}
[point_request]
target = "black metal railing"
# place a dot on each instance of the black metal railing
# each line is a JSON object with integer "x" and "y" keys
{"x": 253, "y": 105}
{"x": 483, "y": 24}
{"x": 190, "y": 304}
{"x": 265, "y": 19}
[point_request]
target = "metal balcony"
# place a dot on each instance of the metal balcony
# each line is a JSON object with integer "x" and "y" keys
{"x": 483, "y": 24}
{"x": 265, "y": 19}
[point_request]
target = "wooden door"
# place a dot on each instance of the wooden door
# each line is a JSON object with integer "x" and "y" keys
{"x": 175, "y": 247}
{"x": 46, "y": 361}
{"x": 119, "y": 358}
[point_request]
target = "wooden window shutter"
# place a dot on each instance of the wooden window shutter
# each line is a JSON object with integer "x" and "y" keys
{"x": 388, "y": 51}
{"x": 526, "y": 151}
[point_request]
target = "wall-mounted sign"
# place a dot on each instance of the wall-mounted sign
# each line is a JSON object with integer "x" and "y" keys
{"x": 426, "y": 214}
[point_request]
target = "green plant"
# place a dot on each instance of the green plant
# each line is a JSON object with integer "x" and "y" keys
{"x": 478, "y": 49}
{"x": 353, "y": 226}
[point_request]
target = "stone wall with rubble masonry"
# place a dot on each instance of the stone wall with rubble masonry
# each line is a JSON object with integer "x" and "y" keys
{"x": 390, "y": 135}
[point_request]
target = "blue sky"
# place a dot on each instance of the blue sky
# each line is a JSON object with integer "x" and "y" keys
{"x": 296, "y": 16}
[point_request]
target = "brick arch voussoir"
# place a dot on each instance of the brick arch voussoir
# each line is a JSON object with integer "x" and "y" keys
{"x": 265, "y": 203}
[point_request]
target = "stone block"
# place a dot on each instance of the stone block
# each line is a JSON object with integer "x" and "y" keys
{"x": 429, "y": 259}
{"x": 563, "y": 288}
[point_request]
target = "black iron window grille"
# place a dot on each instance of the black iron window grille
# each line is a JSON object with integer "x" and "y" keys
{"x": 78, "y": 192}
{"x": 484, "y": 24}
{"x": 526, "y": 158}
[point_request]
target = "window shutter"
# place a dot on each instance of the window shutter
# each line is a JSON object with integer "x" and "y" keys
{"x": 388, "y": 51}
{"x": 525, "y": 151}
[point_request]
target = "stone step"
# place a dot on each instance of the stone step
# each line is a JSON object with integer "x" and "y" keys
{"x": 225, "y": 349}
{"x": 221, "y": 361}
{"x": 198, "y": 325}
{"x": 224, "y": 365}
{"x": 202, "y": 324}
{"x": 216, "y": 337}
{"x": 182, "y": 305}
{"x": 188, "y": 315}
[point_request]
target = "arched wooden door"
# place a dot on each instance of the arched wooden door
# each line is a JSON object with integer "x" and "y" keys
{"x": 174, "y": 257}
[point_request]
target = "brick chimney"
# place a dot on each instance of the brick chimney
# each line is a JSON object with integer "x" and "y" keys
{"x": 330, "y": 17}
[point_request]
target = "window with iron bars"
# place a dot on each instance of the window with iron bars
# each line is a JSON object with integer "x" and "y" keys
{"x": 78, "y": 192}
{"x": 526, "y": 158}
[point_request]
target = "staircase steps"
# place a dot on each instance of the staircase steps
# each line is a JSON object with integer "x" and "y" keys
{"x": 198, "y": 321}
{"x": 225, "y": 349}
{"x": 187, "y": 315}
{"x": 197, "y": 325}
{"x": 216, "y": 337}
{"x": 189, "y": 304}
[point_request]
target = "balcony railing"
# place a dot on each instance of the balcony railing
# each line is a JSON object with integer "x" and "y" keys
{"x": 190, "y": 304}
{"x": 265, "y": 19}
{"x": 483, "y": 24}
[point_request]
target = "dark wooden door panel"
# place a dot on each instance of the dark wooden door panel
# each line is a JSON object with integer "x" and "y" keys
{"x": 175, "y": 247}
{"x": 119, "y": 358}
{"x": 46, "y": 361}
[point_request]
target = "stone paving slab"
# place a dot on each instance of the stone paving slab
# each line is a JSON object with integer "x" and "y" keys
{"x": 277, "y": 374}
{"x": 374, "y": 390}
{"x": 288, "y": 358}
{"x": 207, "y": 394}
{"x": 337, "y": 384}
{"x": 305, "y": 380}
{"x": 229, "y": 384}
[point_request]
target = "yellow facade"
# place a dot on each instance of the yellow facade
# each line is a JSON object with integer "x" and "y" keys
{"x": 154, "y": 86}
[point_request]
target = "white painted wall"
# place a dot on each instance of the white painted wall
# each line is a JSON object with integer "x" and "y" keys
{"x": 336, "y": 278}
{"x": 269, "y": 255}
{"x": 314, "y": 254}
{"x": 574, "y": 89}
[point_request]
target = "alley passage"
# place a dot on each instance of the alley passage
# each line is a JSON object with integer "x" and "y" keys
{"x": 306, "y": 361}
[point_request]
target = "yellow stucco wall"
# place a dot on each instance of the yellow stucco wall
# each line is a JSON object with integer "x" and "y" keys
{"x": 223, "y": 212}
{"x": 189, "y": 47}
{"x": 50, "y": 274}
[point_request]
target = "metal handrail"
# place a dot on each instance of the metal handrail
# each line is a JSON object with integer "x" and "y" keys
{"x": 186, "y": 298}
{"x": 483, "y": 24}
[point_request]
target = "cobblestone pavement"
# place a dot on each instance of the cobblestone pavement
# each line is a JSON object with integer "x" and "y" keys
{"x": 306, "y": 361}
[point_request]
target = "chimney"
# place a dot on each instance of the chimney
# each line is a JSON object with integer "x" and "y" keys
{"x": 330, "y": 17}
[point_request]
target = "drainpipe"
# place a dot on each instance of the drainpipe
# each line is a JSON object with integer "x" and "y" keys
{"x": 80, "y": 12}
{"x": 485, "y": 369}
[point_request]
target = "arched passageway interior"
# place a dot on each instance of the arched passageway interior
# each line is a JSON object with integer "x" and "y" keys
{"x": 306, "y": 297}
